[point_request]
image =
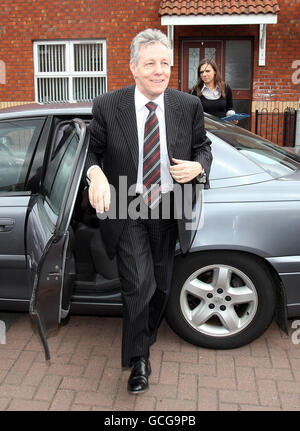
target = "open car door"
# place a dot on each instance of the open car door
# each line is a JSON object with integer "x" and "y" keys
{"x": 48, "y": 236}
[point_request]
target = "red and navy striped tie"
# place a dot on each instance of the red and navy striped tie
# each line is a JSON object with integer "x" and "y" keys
{"x": 151, "y": 159}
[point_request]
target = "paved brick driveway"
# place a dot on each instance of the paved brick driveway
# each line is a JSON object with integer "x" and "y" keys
{"x": 84, "y": 372}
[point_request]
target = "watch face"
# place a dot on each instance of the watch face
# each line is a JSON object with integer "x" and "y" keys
{"x": 201, "y": 178}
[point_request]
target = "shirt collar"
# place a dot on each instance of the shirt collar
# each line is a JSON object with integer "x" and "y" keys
{"x": 205, "y": 86}
{"x": 141, "y": 100}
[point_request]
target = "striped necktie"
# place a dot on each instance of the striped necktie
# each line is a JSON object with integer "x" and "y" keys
{"x": 151, "y": 159}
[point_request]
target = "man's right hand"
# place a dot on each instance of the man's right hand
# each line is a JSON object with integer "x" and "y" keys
{"x": 99, "y": 191}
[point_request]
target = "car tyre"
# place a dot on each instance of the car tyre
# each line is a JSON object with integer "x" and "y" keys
{"x": 220, "y": 300}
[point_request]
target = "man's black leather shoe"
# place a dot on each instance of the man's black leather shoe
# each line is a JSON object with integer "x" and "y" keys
{"x": 138, "y": 380}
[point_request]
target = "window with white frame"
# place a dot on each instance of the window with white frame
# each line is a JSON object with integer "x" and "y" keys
{"x": 69, "y": 71}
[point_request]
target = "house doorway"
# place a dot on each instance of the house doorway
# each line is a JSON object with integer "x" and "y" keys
{"x": 234, "y": 59}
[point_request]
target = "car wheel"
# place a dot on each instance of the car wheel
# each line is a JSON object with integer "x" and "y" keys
{"x": 220, "y": 300}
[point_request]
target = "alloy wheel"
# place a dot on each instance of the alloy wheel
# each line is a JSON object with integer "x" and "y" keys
{"x": 219, "y": 300}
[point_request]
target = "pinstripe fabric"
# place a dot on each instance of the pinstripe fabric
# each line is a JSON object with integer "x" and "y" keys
{"x": 145, "y": 249}
{"x": 114, "y": 145}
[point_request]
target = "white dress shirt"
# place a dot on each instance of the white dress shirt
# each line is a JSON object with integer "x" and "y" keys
{"x": 209, "y": 94}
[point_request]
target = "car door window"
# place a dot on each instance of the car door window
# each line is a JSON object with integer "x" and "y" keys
{"x": 18, "y": 138}
{"x": 59, "y": 171}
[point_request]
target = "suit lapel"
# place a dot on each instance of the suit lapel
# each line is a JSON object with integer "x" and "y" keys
{"x": 172, "y": 117}
{"x": 126, "y": 117}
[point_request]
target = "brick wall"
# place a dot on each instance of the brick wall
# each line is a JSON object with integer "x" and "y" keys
{"x": 22, "y": 22}
{"x": 274, "y": 81}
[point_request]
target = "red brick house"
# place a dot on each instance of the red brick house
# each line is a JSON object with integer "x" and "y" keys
{"x": 74, "y": 50}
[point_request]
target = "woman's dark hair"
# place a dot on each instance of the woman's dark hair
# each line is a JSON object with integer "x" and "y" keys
{"x": 218, "y": 80}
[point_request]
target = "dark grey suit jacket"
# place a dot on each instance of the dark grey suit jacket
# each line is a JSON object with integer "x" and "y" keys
{"x": 114, "y": 145}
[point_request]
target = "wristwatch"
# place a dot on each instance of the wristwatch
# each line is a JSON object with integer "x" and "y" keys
{"x": 201, "y": 178}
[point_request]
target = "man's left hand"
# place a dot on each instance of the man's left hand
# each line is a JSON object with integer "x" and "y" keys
{"x": 185, "y": 171}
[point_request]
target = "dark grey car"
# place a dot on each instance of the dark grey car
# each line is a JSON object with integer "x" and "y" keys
{"x": 244, "y": 265}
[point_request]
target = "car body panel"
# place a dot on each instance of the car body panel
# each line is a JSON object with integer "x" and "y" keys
{"x": 288, "y": 269}
{"x": 35, "y": 109}
{"x": 246, "y": 226}
{"x": 13, "y": 267}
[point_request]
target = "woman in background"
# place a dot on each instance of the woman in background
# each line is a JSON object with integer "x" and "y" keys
{"x": 215, "y": 95}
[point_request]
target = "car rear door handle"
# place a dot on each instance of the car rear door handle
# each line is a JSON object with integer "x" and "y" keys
{"x": 6, "y": 224}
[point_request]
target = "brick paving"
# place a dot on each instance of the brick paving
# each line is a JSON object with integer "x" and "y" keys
{"x": 84, "y": 372}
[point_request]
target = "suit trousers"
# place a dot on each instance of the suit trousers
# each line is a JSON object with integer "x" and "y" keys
{"x": 145, "y": 256}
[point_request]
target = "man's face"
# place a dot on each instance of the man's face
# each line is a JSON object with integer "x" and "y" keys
{"x": 152, "y": 72}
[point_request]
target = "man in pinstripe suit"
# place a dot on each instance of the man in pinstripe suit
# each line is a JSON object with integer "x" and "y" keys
{"x": 145, "y": 246}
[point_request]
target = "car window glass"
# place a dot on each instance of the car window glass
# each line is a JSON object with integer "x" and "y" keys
{"x": 18, "y": 139}
{"x": 270, "y": 157}
{"x": 59, "y": 170}
{"x": 213, "y": 123}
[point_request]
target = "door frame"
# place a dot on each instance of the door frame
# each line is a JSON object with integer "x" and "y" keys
{"x": 48, "y": 242}
{"x": 182, "y": 68}
{"x": 183, "y": 51}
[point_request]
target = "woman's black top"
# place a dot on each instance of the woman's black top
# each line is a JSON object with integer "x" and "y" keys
{"x": 217, "y": 107}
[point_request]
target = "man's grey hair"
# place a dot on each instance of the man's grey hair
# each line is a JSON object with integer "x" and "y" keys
{"x": 146, "y": 37}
